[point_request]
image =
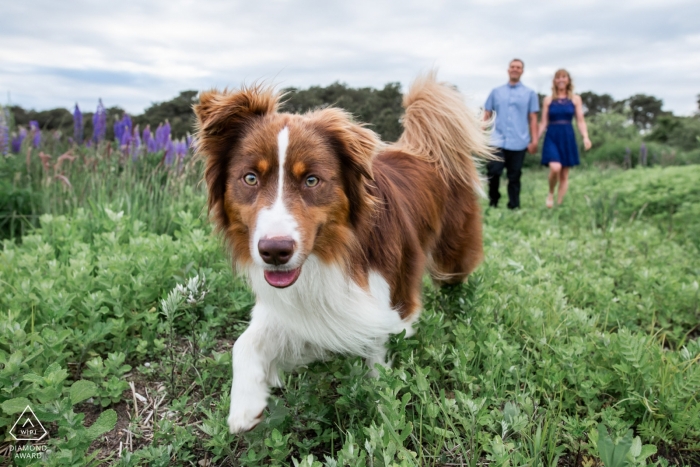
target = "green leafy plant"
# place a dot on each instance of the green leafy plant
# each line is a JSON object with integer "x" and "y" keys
{"x": 108, "y": 375}
{"x": 74, "y": 439}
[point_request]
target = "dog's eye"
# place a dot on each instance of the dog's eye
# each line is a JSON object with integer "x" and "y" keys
{"x": 311, "y": 181}
{"x": 250, "y": 179}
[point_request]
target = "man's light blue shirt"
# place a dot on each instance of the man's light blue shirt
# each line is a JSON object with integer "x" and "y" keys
{"x": 512, "y": 105}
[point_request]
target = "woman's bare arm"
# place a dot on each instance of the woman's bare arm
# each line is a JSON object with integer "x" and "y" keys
{"x": 545, "y": 116}
{"x": 581, "y": 122}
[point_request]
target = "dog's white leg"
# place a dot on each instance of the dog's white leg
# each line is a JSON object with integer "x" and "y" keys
{"x": 378, "y": 356}
{"x": 273, "y": 376}
{"x": 379, "y": 351}
{"x": 252, "y": 359}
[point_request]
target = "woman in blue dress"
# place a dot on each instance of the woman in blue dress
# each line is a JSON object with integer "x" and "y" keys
{"x": 559, "y": 150}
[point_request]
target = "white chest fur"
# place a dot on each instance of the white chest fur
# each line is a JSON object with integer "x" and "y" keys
{"x": 325, "y": 311}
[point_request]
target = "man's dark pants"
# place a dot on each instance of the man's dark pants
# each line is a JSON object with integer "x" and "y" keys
{"x": 513, "y": 163}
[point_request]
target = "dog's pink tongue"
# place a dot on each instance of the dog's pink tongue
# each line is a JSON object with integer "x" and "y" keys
{"x": 282, "y": 279}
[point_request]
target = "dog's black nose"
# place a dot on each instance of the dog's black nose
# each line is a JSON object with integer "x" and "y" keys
{"x": 276, "y": 250}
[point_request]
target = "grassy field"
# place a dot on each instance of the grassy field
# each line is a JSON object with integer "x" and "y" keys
{"x": 576, "y": 343}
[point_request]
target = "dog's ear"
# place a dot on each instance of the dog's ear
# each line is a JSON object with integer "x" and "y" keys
{"x": 222, "y": 119}
{"x": 355, "y": 146}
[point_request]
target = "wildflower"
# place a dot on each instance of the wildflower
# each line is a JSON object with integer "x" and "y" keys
{"x": 45, "y": 159}
{"x": 166, "y": 128}
{"x": 99, "y": 122}
{"x": 146, "y": 135}
{"x": 149, "y": 141}
{"x": 18, "y": 140}
{"x": 123, "y": 129}
{"x": 128, "y": 125}
{"x": 182, "y": 149}
{"x": 77, "y": 125}
{"x": 162, "y": 136}
{"x": 118, "y": 130}
{"x": 158, "y": 136}
{"x": 125, "y": 138}
{"x": 36, "y": 133}
{"x": 169, "y": 152}
{"x": 64, "y": 157}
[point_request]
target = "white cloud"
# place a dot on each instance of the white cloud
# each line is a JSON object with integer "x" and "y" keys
{"x": 134, "y": 53}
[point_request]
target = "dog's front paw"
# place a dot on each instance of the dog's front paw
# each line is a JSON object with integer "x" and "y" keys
{"x": 245, "y": 414}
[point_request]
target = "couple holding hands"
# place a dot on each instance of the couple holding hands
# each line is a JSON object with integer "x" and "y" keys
{"x": 516, "y": 130}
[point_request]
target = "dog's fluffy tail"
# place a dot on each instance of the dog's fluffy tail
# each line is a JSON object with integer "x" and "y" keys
{"x": 440, "y": 127}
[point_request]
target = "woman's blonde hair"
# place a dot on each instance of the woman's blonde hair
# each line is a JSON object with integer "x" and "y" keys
{"x": 569, "y": 87}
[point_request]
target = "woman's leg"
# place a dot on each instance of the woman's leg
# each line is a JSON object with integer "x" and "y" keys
{"x": 563, "y": 183}
{"x": 554, "y": 173}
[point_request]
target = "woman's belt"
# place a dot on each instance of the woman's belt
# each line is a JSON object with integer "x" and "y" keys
{"x": 560, "y": 122}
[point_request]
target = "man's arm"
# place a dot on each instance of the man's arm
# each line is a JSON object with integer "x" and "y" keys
{"x": 488, "y": 107}
{"x": 532, "y": 147}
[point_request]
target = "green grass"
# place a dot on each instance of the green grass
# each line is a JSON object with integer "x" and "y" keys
{"x": 89, "y": 178}
{"x": 581, "y": 324}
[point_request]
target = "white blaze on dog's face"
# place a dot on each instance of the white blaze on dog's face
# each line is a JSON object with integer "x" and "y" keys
{"x": 276, "y": 235}
{"x": 289, "y": 193}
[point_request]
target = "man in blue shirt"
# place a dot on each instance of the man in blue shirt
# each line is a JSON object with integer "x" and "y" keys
{"x": 514, "y": 132}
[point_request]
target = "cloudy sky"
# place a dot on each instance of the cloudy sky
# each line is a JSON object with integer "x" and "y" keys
{"x": 133, "y": 53}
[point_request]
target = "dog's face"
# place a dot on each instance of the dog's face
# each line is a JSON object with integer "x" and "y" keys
{"x": 282, "y": 186}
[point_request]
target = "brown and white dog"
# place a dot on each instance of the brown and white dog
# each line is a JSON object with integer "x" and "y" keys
{"x": 333, "y": 228}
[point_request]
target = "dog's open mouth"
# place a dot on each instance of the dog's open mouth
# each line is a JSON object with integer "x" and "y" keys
{"x": 282, "y": 279}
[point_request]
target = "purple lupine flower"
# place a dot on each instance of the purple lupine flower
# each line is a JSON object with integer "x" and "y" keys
{"x": 157, "y": 136}
{"x": 135, "y": 143}
{"x": 123, "y": 132}
{"x": 152, "y": 146}
{"x": 128, "y": 125}
{"x": 16, "y": 144}
{"x": 149, "y": 141}
{"x": 181, "y": 149}
{"x": 165, "y": 135}
{"x": 125, "y": 139}
{"x": 36, "y": 133}
{"x": 77, "y": 125}
{"x": 118, "y": 130}
{"x": 4, "y": 131}
{"x": 162, "y": 136}
{"x": 146, "y": 134}
{"x": 99, "y": 122}
{"x": 18, "y": 140}
{"x": 180, "y": 152}
{"x": 123, "y": 129}
{"x": 166, "y": 128}
{"x": 169, "y": 152}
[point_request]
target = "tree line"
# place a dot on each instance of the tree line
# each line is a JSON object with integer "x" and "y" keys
{"x": 380, "y": 109}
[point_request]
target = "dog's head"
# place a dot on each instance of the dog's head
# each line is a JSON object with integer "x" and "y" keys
{"x": 283, "y": 186}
